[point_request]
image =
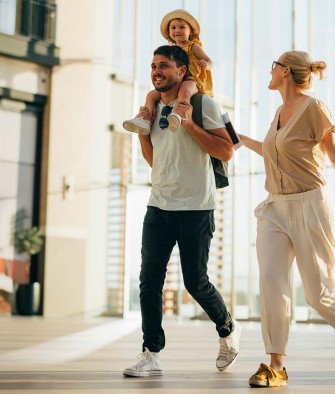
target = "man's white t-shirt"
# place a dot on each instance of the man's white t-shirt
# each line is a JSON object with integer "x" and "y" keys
{"x": 182, "y": 175}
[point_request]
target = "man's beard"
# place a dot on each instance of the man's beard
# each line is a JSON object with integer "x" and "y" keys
{"x": 163, "y": 88}
{"x": 170, "y": 83}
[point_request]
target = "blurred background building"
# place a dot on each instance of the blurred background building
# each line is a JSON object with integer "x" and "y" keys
{"x": 70, "y": 72}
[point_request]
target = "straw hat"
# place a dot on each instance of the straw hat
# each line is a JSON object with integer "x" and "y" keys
{"x": 179, "y": 14}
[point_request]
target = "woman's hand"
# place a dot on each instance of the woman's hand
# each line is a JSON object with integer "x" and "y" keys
{"x": 329, "y": 144}
{"x": 252, "y": 144}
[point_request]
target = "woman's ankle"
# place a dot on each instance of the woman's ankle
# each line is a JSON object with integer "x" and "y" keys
{"x": 276, "y": 362}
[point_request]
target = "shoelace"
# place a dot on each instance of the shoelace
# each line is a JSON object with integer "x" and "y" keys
{"x": 224, "y": 351}
{"x": 144, "y": 358}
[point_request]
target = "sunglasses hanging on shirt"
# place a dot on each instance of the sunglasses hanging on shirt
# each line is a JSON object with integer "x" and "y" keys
{"x": 163, "y": 122}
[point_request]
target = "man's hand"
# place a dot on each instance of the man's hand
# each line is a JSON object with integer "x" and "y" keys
{"x": 145, "y": 114}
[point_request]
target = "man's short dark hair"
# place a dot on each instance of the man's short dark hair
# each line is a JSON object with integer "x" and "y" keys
{"x": 175, "y": 53}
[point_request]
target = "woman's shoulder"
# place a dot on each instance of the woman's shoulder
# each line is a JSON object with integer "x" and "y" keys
{"x": 314, "y": 101}
{"x": 317, "y": 104}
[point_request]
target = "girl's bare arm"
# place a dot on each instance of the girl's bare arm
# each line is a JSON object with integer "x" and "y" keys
{"x": 203, "y": 59}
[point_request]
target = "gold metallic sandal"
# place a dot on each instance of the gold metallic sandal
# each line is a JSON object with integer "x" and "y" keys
{"x": 268, "y": 377}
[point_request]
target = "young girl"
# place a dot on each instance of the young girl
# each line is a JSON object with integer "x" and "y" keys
{"x": 182, "y": 29}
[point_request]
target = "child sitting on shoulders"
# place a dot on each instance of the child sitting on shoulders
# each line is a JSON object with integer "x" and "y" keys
{"x": 180, "y": 28}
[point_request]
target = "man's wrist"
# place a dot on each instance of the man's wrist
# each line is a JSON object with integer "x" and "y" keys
{"x": 191, "y": 127}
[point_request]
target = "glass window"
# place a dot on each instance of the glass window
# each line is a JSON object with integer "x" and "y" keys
{"x": 7, "y": 16}
{"x": 146, "y": 48}
{"x": 219, "y": 43}
{"x": 164, "y": 7}
{"x": 17, "y": 173}
{"x": 124, "y": 37}
{"x": 301, "y": 25}
{"x": 265, "y": 30}
{"x": 323, "y": 49}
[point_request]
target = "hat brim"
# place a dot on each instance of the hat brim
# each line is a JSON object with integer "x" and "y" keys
{"x": 179, "y": 14}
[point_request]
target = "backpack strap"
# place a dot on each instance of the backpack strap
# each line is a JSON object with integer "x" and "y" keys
{"x": 196, "y": 102}
{"x": 220, "y": 168}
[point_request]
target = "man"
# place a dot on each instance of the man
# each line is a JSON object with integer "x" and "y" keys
{"x": 180, "y": 209}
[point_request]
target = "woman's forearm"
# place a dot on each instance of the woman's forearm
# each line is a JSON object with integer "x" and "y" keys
{"x": 252, "y": 144}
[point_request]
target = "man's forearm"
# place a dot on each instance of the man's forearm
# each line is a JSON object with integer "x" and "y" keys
{"x": 216, "y": 143}
{"x": 146, "y": 147}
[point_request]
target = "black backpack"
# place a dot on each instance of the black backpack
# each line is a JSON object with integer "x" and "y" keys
{"x": 220, "y": 168}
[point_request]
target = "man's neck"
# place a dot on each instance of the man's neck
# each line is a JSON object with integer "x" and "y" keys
{"x": 170, "y": 95}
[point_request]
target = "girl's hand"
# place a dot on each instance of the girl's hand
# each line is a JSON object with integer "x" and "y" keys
{"x": 203, "y": 60}
{"x": 202, "y": 63}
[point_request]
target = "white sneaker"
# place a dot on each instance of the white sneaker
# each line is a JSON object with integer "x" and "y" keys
{"x": 137, "y": 125}
{"x": 229, "y": 347}
{"x": 174, "y": 120}
{"x": 149, "y": 365}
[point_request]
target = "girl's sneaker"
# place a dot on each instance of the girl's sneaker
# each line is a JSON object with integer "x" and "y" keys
{"x": 137, "y": 125}
{"x": 174, "y": 120}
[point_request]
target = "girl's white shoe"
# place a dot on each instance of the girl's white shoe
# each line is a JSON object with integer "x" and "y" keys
{"x": 174, "y": 120}
{"x": 137, "y": 125}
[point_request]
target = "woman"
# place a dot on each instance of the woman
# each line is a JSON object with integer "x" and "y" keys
{"x": 294, "y": 221}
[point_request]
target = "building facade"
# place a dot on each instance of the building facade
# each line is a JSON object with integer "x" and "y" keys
{"x": 27, "y": 54}
{"x": 55, "y": 117}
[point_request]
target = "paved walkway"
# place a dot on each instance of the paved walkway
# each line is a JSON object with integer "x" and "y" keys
{"x": 63, "y": 356}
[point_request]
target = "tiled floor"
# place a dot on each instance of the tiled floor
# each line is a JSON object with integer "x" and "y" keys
{"x": 49, "y": 356}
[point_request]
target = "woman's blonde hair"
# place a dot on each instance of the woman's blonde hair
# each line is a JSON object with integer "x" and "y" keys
{"x": 302, "y": 66}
